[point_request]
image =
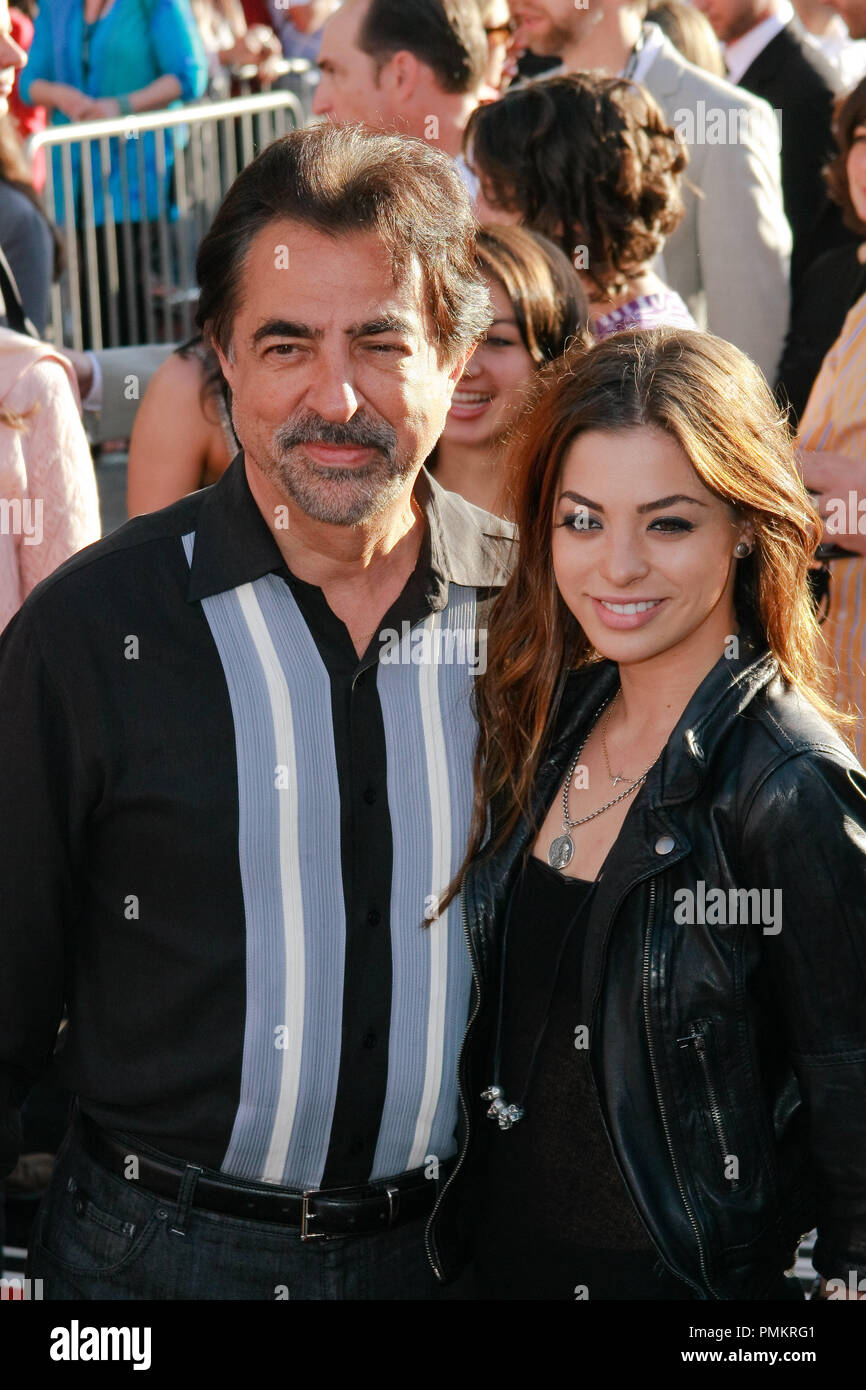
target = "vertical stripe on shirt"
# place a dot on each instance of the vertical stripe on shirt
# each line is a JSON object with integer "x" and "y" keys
{"x": 295, "y": 928}
{"x": 430, "y": 734}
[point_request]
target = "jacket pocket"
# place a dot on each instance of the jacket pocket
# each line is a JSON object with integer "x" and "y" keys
{"x": 698, "y": 1044}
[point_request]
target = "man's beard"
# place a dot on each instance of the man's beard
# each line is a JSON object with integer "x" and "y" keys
{"x": 338, "y": 496}
{"x": 553, "y": 41}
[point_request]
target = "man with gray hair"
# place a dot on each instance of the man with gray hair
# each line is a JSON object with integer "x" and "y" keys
{"x": 244, "y": 816}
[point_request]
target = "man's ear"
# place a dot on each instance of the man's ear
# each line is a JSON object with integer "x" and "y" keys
{"x": 456, "y": 371}
{"x": 399, "y": 76}
{"x": 227, "y": 365}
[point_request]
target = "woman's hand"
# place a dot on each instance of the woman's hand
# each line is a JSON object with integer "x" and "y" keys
{"x": 67, "y": 99}
{"x": 840, "y": 487}
{"x": 101, "y": 109}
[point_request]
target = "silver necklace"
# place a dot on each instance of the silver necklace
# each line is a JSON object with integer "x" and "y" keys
{"x": 561, "y": 849}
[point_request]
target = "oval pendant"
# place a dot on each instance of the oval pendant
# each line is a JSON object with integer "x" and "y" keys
{"x": 560, "y": 852}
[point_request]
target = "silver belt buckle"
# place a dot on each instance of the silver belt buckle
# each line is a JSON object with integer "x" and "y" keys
{"x": 307, "y": 1216}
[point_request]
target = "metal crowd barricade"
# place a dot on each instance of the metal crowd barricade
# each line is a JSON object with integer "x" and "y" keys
{"x": 141, "y": 272}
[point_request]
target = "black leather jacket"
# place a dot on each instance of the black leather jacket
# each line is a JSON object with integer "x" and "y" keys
{"x": 712, "y": 1043}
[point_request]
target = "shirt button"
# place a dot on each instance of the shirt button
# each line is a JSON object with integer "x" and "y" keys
{"x": 370, "y": 1040}
{"x": 374, "y": 917}
{"x": 361, "y": 679}
{"x": 664, "y": 844}
{"x": 370, "y": 795}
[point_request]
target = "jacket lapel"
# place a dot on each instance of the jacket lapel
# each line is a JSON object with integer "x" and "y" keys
{"x": 764, "y": 68}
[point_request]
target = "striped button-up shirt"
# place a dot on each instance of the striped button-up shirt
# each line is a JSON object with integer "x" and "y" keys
{"x": 223, "y": 831}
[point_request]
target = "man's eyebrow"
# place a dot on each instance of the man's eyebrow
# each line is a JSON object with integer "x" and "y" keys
{"x": 644, "y": 507}
{"x": 288, "y": 328}
{"x": 386, "y": 323}
{"x": 285, "y": 328}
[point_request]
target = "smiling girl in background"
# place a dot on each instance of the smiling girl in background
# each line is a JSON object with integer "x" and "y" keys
{"x": 539, "y": 310}
{"x": 676, "y": 1092}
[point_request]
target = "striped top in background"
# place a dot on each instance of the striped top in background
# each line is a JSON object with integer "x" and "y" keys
{"x": 835, "y": 420}
{"x": 662, "y": 310}
{"x": 243, "y": 828}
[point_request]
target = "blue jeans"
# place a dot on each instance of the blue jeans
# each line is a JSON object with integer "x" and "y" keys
{"x": 99, "y": 1236}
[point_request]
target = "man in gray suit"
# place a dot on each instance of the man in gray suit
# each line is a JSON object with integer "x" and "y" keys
{"x": 729, "y": 258}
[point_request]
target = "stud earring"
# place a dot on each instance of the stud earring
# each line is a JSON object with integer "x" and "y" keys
{"x": 741, "y": 550}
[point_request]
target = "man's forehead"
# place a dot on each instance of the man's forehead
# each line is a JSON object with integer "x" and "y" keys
{"x": 348, "y": 279}
{"x": 344, "y": 23}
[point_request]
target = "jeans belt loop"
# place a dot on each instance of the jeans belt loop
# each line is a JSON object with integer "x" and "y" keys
{"x": 191, "y": 1175}
{"x": 393, "y": 1204}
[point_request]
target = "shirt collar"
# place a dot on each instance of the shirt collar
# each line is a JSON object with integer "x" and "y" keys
{"x": 741, "y": 54}
{"x": 651, "y": 43}
{"x": 234, "y": 546}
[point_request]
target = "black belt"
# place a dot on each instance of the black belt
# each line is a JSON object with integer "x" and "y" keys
{"x": 336, "y": 1212}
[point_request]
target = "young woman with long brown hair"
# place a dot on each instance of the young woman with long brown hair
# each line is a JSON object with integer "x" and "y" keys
{"x": 539, "y": 310}
{"x": 663, "y": 894}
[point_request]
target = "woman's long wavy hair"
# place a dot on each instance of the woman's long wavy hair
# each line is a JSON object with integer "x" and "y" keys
{"x": 710, "y": 398}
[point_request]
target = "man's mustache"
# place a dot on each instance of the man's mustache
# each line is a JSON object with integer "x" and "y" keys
{"x": 362, "y": 433}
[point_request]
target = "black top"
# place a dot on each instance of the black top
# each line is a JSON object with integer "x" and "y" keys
{"x": 220, "y": 833}
{"x": 796, "y": 79}
{"x": 828, "y": 291}
{"x": 558, "y": 1222}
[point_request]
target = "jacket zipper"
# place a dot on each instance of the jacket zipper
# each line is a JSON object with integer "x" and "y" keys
{"x": 662, "y": 1111}
{"x": 460, "y": 1090}
{"x": 698, "y": 1042}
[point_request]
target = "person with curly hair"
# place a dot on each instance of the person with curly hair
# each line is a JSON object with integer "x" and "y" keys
{"x": 588, "y": 161}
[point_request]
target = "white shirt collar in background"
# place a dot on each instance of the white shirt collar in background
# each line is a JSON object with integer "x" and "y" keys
{"x": 741, "y": 54}
{"x": 653, "y": 41}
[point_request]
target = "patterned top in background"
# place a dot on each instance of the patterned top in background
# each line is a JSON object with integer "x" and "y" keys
{"x": 647, "y": 311}
{"x": 835, "y": 420}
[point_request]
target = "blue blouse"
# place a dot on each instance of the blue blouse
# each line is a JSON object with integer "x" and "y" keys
{"x": 136, "y": 42}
